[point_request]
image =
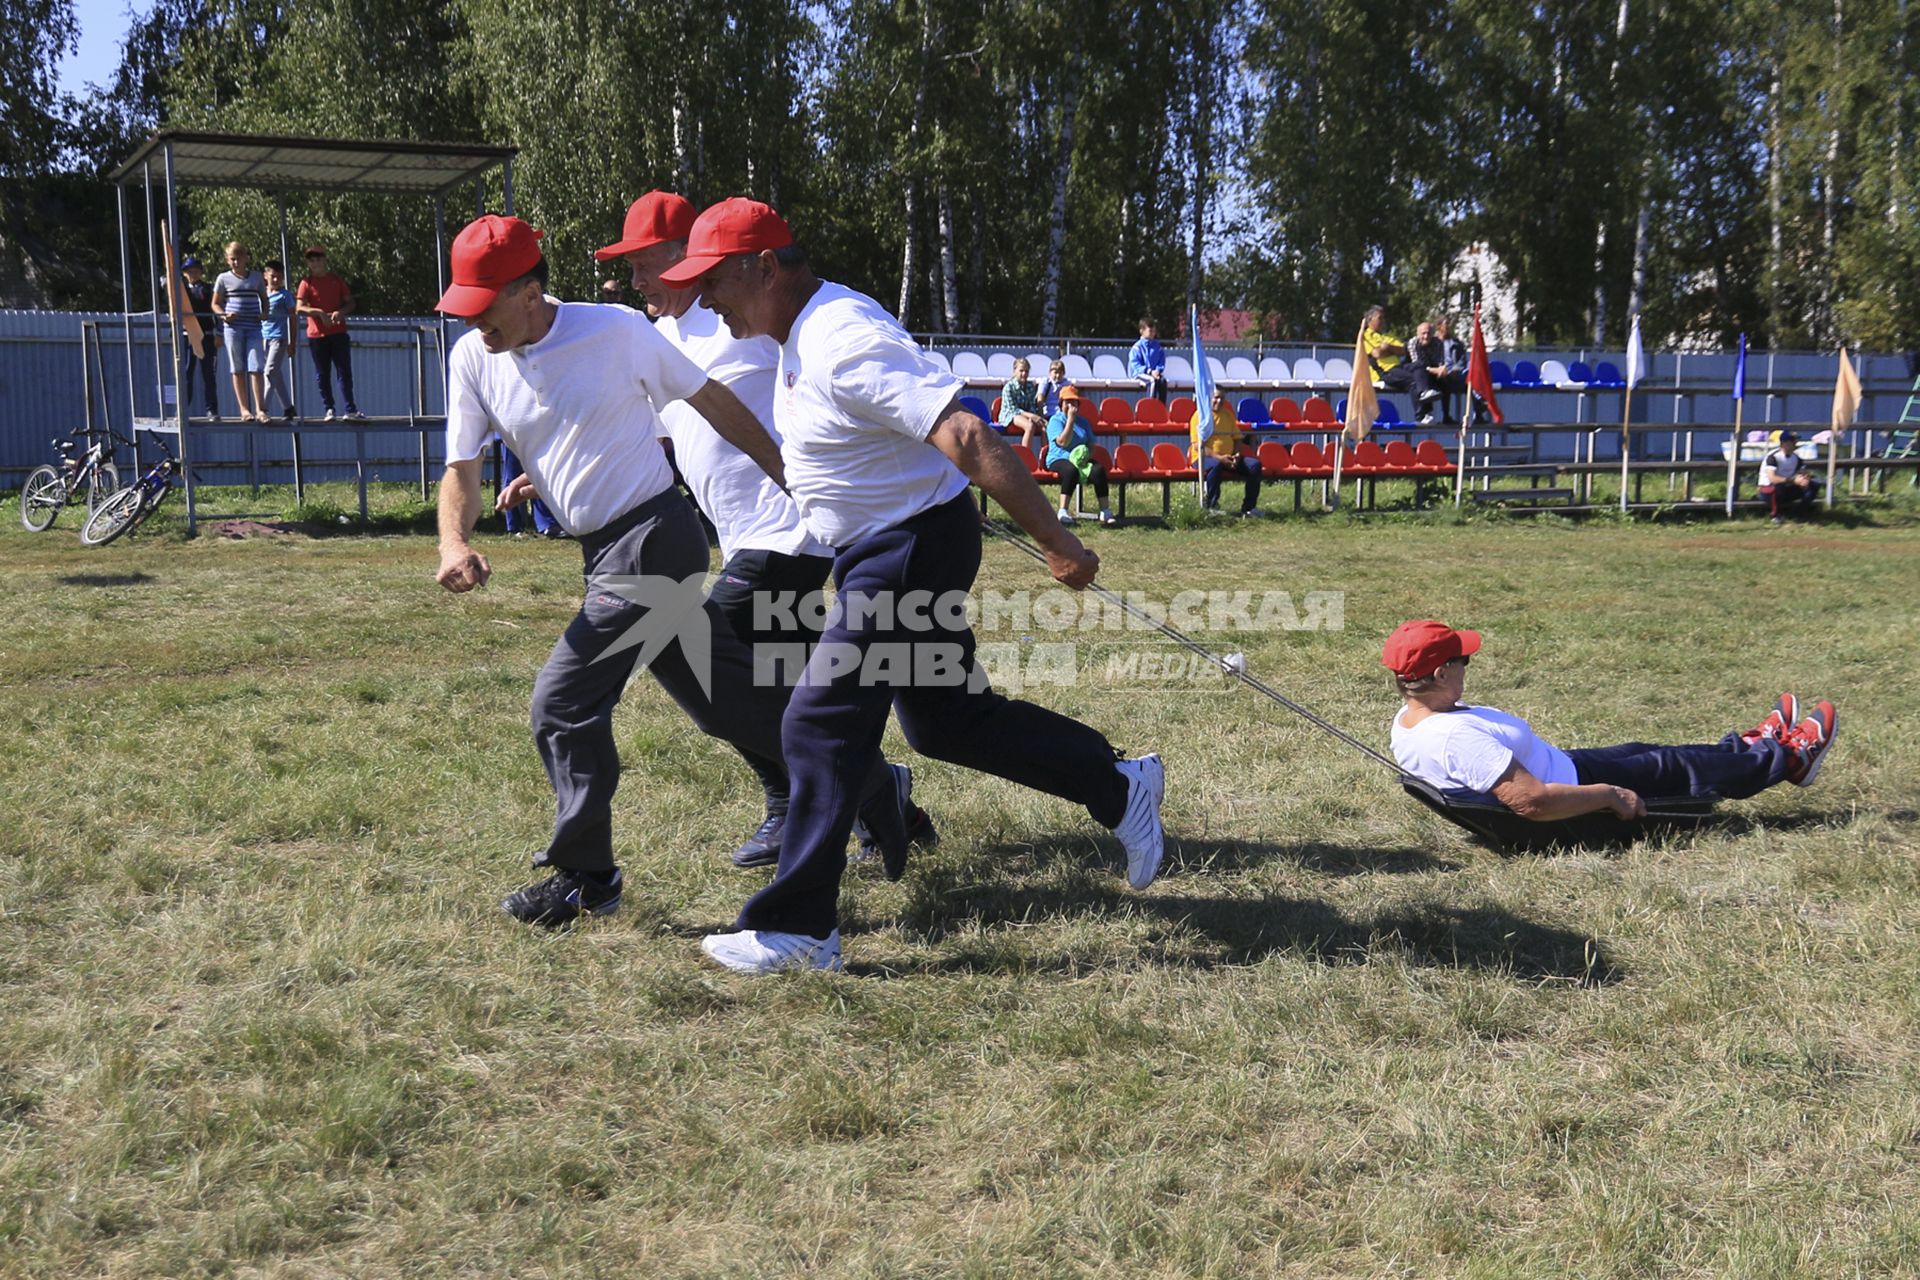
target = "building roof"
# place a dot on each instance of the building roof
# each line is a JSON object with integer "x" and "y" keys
{"x": 265, "y": 162}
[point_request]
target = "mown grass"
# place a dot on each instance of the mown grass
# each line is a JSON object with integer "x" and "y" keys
{"x": 263, "y": 1017}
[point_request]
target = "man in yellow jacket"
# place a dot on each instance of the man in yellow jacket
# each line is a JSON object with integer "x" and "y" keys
{"x": 1221, "y": 458}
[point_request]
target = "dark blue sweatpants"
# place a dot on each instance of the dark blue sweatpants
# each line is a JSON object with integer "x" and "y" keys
{"x": 832, "y": 729}
{"x": 1732, "y": 768}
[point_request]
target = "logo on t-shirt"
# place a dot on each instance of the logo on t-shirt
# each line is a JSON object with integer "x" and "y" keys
{"x": 791, "y": 377}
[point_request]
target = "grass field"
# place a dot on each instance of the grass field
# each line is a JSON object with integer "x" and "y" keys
{"x": 263, "y": 1017}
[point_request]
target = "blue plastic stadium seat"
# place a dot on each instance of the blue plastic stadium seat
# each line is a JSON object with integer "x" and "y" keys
{"x": 1340, "y": 410}
{"x": 1252, "y": 412}
{"x": 1525, "y": 374}
{"x": 1578, "y": 371}
{"x": 1388, "y": 414}
{"x": 1498, "y": 370}
{"x": 1607, "y": 374}
{"x": 977, "y": 406}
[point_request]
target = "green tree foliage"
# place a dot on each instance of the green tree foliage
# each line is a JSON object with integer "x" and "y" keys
{"x": 1000, "y": 164}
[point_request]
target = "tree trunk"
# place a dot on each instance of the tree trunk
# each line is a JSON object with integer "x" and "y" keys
{"x": 976, "y": 271}
{"x": 1600, "y": 235}
{"x": 1776, "y": 198}
{"x": 949, "y": 282}
{"x": 1201, "y": 128}
{"x": 1057, "y": 214}
{"x": 909, "y": 257}
{"x": 1828, "y": 185}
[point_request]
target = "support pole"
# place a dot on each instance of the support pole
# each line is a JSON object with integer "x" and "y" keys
{"x": 1733, "y": 456}
{"x": 173, "y": 324}
{"x": 1626, "y": 450}
{"x": 126, "y": 305}
{"x": 154, "y": 261}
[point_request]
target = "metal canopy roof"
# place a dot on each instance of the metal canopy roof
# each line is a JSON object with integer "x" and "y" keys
{"x": 267, "y": 163}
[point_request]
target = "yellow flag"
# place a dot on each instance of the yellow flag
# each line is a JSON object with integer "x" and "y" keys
{"x": 1363, "y": 406}
{"x": 1846, "y": 394}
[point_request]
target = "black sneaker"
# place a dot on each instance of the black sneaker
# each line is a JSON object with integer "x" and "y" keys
{"x": 762, "y": 848}
{"x": 912, "y": 826}
{"x": 564, "y": 897}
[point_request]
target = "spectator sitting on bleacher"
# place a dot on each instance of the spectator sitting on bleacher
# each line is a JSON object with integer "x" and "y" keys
{"x": 1147, "y": 361}
{"x": 1222, "y": 458}
{"x": 1051, "y": 388}
{"x": 1020, "y": 401}
{"x": 1069, "y": 454}
{"x": 1427, "y": 366}
{"x": 1784, "y": 479}
{"x": 1454, "y": 381}
{"x": 1387, "y": 355}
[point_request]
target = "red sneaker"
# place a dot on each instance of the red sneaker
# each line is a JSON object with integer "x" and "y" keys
{"x": 1779, "y": 721}
{"x": 1811, "y": 739}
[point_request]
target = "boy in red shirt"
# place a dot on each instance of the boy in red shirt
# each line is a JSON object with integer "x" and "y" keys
{"x": 325, "y": 300}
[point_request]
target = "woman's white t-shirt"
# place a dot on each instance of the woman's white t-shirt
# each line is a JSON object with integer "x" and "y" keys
{"x": 1472, "y": 746}
{"x": 579, "y": 408}
{"x": 856, "y": 401}
{"x": 747, "y": 508}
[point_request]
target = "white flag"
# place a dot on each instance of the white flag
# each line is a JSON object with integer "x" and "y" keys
{"x": 1636, "y": 355}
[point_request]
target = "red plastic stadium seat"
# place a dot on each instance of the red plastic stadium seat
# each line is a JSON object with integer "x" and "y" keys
{"x": 1274, "y": 457}
{"x": 1150, "y": 413}
{"x": 1401, "y": 460}
{"x": 1115, "y": 414}
{"x": 1129, "y": 463}
{"x": 1309, "y": 462}
{"x": 1101, "y": 456}
{"x": 1432, "y": 457}
{"x": 1032, "y": 463}
{"x": 1319, "y": 413}
{"x": 1285, "y": 411}
{"x": 996, "y": 409}
{"x": 1180, "y": 411}
{"x": 1170, "y": 463}
{"x": 1369, "y": 457}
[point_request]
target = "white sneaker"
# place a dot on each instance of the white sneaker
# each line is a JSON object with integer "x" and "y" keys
{"x": 1106, "y": 516}
{"x": 754, "y": 951}
{"x": 1140, "y": 830}
{"x": 331, "y": 415}
{"x": 1066, "y": 516}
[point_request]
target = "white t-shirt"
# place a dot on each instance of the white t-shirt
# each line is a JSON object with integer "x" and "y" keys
{"x": 1779, "y": 467}
{"x": 578, "y": 408}
{"x": 747, "y": 508}
{"x": 856, "y": 402}
{"x": 1472, "y": 746}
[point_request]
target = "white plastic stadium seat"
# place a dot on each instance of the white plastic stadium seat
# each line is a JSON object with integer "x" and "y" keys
{"x": 1037, "y": 362}
{"x": 1000, "y": 365}
{"x": 939, "y": 358}
{"x": 1218, "y": 370}
{"x": 1241, "y": 369}
{"x": 1554, "y": 374}
{"x": 1109, "y": 368}
{"x": 1180, "y": 370}
{"x": 1306, "y": 369}
{"x": 1077, "y": 367}
{"x": 966, "y": 364}
{"x": 1274, "y": 369}
{"x": 1339, "y": 371}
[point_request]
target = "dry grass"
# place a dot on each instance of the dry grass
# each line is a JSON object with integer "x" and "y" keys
{"x": 263, "y": 1018}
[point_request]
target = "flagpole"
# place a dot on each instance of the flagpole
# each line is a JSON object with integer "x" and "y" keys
{"x": 1460, "y": 449}
{"x": 1733, "y": 455}
{"x": 1626, "y": 416}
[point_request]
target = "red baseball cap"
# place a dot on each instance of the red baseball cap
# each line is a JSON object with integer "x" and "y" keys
{"x": 315, "y": 251}
{"x": 655, "y": 218}
{"x": 733, "y": 226}
{"x": 1416, "y": 650}
{"x": 488, "y": 254}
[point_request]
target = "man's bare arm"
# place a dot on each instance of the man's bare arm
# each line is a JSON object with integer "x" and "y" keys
{"x": 739, "y": 428}
{"x": 461, "y": 567}
{"x": 1524, "y": 793}
{"x": 987, "y": 460}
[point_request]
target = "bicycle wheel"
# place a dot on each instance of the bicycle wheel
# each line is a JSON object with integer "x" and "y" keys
{"x": 103, "y": 484}
{"x": 114, "y": 517}
{"x": 41, "y": 498}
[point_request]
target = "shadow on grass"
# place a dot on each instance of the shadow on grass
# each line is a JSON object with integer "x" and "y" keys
{"x": 104, "y": 579}
{"x": 1740, "y": 824}
{"x": 1185, "y": 855}
{"x": 1204, "y": 933}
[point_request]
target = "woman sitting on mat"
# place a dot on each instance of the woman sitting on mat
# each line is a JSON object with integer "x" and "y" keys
{"x": 1450, "y": 744}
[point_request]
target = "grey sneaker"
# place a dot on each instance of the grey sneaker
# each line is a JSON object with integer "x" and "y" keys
{"x": 1140, "y": 830}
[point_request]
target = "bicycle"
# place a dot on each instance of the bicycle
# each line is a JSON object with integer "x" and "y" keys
{"x": 51, "y": 489}
{"x": 123, "y": 512}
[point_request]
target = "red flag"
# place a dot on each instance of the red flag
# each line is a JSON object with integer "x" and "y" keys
{"x": 1480, "y": 374}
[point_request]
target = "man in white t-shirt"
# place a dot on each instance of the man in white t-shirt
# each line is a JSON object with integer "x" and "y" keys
{"x": 878, "y": 454}
{"x": 768, "y": 559}
{"x": 1785, "y": 481}
{"x": 1454, "y": 746}
{"x": 574, "y": 390}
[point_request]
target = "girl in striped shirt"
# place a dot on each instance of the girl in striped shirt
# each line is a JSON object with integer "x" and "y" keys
{"x": 240, "y": 296}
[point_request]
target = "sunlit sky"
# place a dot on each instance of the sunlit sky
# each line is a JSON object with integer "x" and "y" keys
{"x": 103, "y": 23}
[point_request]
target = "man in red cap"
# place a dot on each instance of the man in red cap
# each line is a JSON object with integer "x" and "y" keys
{"x": 1456, "y": 746}
{"x": 879, "y": 452}
{"x": 772, "y": 569}
{"x": 574, "y": 390}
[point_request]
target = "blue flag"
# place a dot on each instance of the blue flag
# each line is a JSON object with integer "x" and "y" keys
{"x": 1740, "y": 371}
{"x": 1202, "y": 382}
